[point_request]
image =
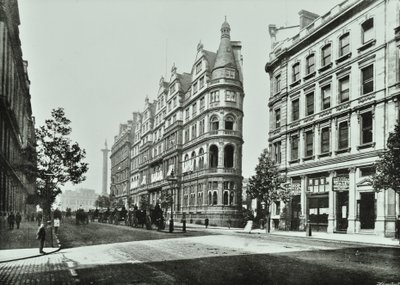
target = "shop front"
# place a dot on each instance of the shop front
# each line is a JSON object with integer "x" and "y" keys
{"x": 318, "y": 202}
{"x": 367, "y": 210}
{"x": 341, "y": 185}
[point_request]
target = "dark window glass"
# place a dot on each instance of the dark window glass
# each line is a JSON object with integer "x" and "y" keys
{"x": 310, "y": 104}
{"x": 295, "y": 148}
{"x": 325, "y": 140}
{"x": 343, "y": 135}
{"x": 326, "y": 97}
{"x": 344, "y": 45}
{"x": 367, "y": 79}
{"x": 344, "y": 89}
{"x": 326, "y": 55}
{"x": 277, "y": 118}
{"x": 296, "y": 72}
{"x": 366, "y": 121}
{"x": 277, "y": 83}
{"x": 368, "y": 30}
{"x": 310, "y": 64}
{"x": 309, "y": 143}
{"x": 295, "y": 110}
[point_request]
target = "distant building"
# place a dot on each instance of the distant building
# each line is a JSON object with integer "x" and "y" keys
{"x": 17, "y": 134}
{"x": 81, "y": 198}
{"x": 194, "y": 130}
{"x": 334, "y": 98}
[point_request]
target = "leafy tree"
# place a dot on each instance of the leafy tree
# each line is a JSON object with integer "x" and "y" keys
{"x": 387, "y": 174}
{"x": 103, "y": 202}
{"x": 58, "y": 159}
{"x": 266, "y": 184}
{"x": 144, "y": 202}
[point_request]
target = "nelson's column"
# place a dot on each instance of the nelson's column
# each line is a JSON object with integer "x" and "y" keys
{"x": 105, "y": 169}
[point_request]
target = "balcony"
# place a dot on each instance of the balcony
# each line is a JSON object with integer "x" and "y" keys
{"x": 224, "y": 133}
{"x": 172, "y": 126}
{"x": 145, "y": 145}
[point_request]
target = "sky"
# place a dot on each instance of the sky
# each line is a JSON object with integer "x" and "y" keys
{"x": 99, "y": 59}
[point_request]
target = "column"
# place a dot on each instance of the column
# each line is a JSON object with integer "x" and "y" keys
{"x": 303, "y": 201}
{"x": 332, "y": 196}
{"x": 351, "y": 228}
{"x": 390, "y": 217}
{"x": 380, "y": 213}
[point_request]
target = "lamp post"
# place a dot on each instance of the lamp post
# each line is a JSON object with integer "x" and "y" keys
{"x": 172, "y": 181}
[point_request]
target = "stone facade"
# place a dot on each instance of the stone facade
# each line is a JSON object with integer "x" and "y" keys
{"x": 78, "y": 199}
{"x": 333, "y": 101}
{"x": 17, "y": 137}
{"x": 193, "y": 129}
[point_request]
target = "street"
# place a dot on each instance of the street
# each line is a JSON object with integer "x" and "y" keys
{"x": 223, "y": 257}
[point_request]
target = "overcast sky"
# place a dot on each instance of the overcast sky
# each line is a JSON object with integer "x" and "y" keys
{"x": 98, "y": 59}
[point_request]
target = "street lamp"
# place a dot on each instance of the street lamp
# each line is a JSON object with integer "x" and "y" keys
{"x": 172, "y": 181}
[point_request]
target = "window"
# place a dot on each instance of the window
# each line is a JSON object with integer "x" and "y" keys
{"x": 344, "y": 89}
{"x": 318, "y": 184}
{"x": 201, "y": 128}
{"x": 214, "y": 96}
{"x": 344, "y": 44}
{"x": 215, "y": 198}
{"x": 309, "y": 143}
{"x": 310, "y": 68}
{"x": 325, "y": 140}
{"x": 367, "y": 171}
{"x": 194, "y": 109}
{"x": 296, "y": 72}
{"x": 277, "y": 118}
{"x": 310, "y": 104}
{"x": 230, "y": 96}
{"x": 229, "y": 73}
{"x": 326, "y": 55}
{"x": 367, "y": 79}
{"x": 174, "y": 101}
{"x": 295, "y": 110}
{"x": 229, "y": 156}
{"x": 343, "y": 135}
{"x": 201, "y": 82}
{"x": 277, "y": 83}
{"x": 277, "y": 152}
{"x": 226, "y": 197}
{"x": 326, "y": 97}
{"x": 229, "y": 123}
{"x": 202, "y": 103}
{"x": 187, "y": 113}
{"x": 368, "y": 30}
{"x": 214, "y": 124}
{"x": 194, "y": 131}
{"x": 198, "y": 67}
{"x": 172, "y": 88}
{"x": 186, "y": 135}
{"x": 294, "y": 151}
{"x": 195, "y": 88}
{"x": 366, "y": 127}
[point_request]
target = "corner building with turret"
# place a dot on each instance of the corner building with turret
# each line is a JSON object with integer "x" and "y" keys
{"x": 193, "y": 130}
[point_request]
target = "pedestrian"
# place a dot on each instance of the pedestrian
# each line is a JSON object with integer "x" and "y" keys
{"x": 56, "y": 225}
{"x": 41, "y": 236}
{"x": 18, "y": 219}
{"x": 11, "y": 220}
{"x": 206, "y": 222}
{"x": 229, "y": 223}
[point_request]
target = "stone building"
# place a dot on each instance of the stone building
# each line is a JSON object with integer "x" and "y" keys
{"x": 333, "y": 101}
{"x": 193, "y": 130}
{"x": 17, "y": 137}
{"x": 78, "y": 199}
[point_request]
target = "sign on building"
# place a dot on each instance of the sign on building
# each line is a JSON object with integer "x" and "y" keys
{"x": 341, "y": 183}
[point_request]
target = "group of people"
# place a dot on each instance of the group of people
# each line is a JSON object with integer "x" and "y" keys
{"x": 13, "y": 220}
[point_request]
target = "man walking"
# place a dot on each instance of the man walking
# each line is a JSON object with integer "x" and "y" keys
{"x": 18, "y": 219}
{"x": 41, "y": 236}
{"x": 11, "y": 221}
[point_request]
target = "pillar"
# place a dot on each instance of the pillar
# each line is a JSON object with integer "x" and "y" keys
{"x": 303, "y": 201}
{"x": 105, "y": 169}
{"x": 390, "y": 217}
{"x": 380, "y": 213}
{"x": 331, "y": 216}
{"x": 352, "y": 228}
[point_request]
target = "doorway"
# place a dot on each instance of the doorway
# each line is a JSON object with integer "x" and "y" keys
{"x": 342, "y": 210}
{"x": 296, "y": 212}
{"x": 367, "y": 210}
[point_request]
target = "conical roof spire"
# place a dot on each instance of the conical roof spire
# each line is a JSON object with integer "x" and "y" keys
{"x": 225, "y": 55}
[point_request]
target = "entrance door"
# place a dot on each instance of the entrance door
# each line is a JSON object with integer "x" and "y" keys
{"x": 296, "y": 212}
{"x": 342, "y": 210}
{"x": 367, "y": 211}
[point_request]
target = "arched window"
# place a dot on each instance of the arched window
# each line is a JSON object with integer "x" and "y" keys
{"x": 232, "y": 195}
{"x": 215, "y": 198}
{"x": 209, "y": 198}
{"x": 194, "y": 160}
{"x": 201, "y": 159}
{"x": 229, "y": 122}
{"x": 214, "y": 123}
{"x": 226, "y": 197}
{"x": 186, "y": 163}
{"x": 213, "y": 156}
{"x": 228, "y": 156}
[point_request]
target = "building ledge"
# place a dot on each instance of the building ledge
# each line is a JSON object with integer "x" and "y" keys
{"x": 343, "y": 150}
{"x": 366, "y": 45}
{"x": 366, "y": 145}
{"x": 325, "y": 154}
{"x": 325, "y": 67}
{"x": 310, "y": 75}
{"x": 297, "y": 82}
{"x": 311, "y": 157}
{"x": 343, "y": 58}
{"x": 294, "y": 161}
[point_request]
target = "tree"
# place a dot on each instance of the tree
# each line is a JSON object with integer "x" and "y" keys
{"x": 58, "y": 159}
{"x": 103, "y": 202}
{"x": 387, "y": 174}
{"x": 266, "y": 184}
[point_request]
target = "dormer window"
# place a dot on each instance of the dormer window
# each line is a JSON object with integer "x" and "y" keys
{"x": 229, "y": 73}
{"x": 172, "y": 88}
{"x": 198, "y": 67}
